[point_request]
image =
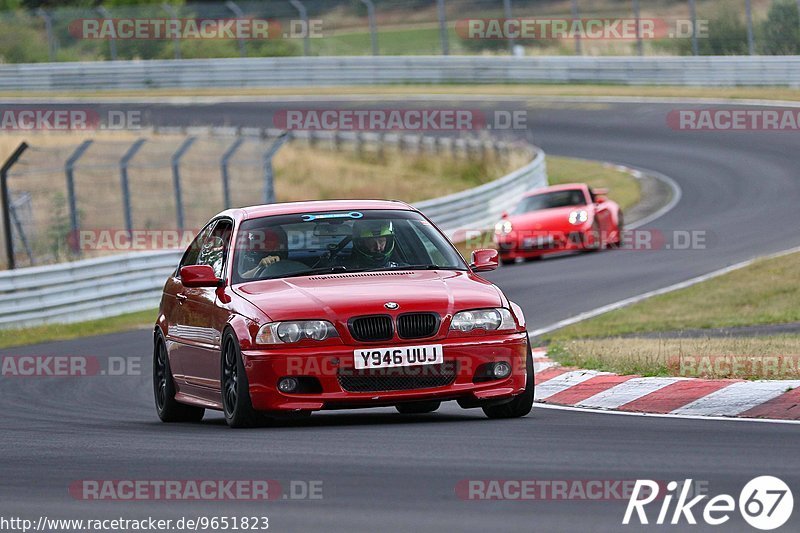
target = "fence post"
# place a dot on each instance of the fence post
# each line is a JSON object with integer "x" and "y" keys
{"x": 176, "y": 178}
{"x": 123, "y": 177}
{"x": 226, "y": 157}
{"x": 48, "y": 28}
{"x": 507, "y": 13}
{"x": 21, "y": 232}
{"x": 637, "y": 13}
{"x": 373, "y": 27}
{"x": 230, "y": 4}
{"x": 169, "y": 8}
{"x": 751, "y": 45}
{"x": 303, "y": 12}
{"x": 6, "y": 200}
{"x": 269, "y": 177}
{"x": 69, "y": 172}
{"x": 443, "y": 27}
{"x": 112, "y": 42}
{"x": 576, "y": 16}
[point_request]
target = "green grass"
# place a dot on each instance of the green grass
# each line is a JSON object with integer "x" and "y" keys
{"x": 519, "y": 90}
{"x": 56, "y": 332}
{"x": 766, "y": 292}
{"x": 405, "y": 41}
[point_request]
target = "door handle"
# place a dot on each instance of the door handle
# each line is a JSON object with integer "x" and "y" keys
{"x": 181, "y": 297}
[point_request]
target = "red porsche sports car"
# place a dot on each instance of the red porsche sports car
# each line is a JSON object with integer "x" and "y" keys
{"x": 558, "y": 219}
{"x": 285, "y": 309}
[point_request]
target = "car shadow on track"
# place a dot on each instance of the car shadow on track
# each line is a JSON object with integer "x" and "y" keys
{"x": 347, "y": 419}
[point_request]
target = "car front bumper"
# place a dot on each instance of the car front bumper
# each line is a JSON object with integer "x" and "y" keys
{"x": 463, "y": 356}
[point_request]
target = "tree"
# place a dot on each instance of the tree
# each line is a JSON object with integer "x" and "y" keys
{"x": 781, "y": 30}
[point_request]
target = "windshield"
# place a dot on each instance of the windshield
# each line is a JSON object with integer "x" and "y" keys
{"x": 329, "y": 242}
{"x": 550, "y": 200}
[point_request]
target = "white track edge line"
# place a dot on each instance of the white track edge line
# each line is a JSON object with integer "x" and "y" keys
{"x": 657, "y": 292}
{"x": 538, "y": 405}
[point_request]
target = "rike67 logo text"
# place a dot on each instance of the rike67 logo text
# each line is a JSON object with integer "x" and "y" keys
{"x": 765, "y": 503}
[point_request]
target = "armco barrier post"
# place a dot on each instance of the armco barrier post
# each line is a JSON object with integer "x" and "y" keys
{"x": 269, "y": 176}
{"x": 176, "y": 178}
{"x": 223, "y": 164}
{"x": 5, "y": 198}
{"x": 123, "y": 178}
{"x": 69, "y": 173}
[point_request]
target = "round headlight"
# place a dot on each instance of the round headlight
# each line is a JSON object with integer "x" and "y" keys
{"x": 316, "y": 329}
{"x": 578, "y": 217}
{"x": 503, "y": 227}
{"x": 289, "y": 332}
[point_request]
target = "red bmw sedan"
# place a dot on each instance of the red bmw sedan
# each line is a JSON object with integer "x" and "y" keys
{"x": 284, "y": 309}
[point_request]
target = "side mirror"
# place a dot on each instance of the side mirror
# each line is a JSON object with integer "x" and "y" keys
{"x": 199, "y": 276}
{"x": 504, "y": 215}
{"x": 484, "y": 260}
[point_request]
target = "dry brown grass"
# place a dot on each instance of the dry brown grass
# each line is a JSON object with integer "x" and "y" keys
{"x": 302, "y": 173}
{"x": 770, "y": 357}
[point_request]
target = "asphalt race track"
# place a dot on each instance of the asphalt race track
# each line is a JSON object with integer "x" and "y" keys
{"x": 382, "y": 471}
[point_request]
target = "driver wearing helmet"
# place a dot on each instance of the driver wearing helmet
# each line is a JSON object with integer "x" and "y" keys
{"x": 263, "y": 249}
{"x": 373, "y": 244}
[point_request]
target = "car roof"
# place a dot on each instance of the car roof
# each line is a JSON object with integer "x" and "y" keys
{"x": 313, "y": 206}
{"x": 561, "y": 187}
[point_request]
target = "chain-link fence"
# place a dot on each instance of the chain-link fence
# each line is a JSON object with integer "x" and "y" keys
{"x": 93, "y": 197}
{"x": 272, "y": 28}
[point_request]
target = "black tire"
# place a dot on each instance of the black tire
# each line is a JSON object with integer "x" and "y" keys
{"x": 236, "y": 403}
{"x": 168, "y": 409}
{"x": 597, "y": 242}
{"x": 620, "y": 229}
{"x": 507, "y": 262}
{"x": 417, "y": 408}
{"x": 521, "y": 405}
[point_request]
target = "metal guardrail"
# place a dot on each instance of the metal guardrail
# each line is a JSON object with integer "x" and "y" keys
{"x": 330, "y": 71}
{"x": 108, "y": 286}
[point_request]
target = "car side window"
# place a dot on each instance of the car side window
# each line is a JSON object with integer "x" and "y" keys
{"x": 193, "y": 251}
{"x": 214, "y": 248}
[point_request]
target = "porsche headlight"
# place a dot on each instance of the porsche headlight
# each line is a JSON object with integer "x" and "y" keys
{"x": 504, "y": 227}
{"x": 578, "y": 217}
{"x": 488, "y": 319}
{"x": 295, "y": 331}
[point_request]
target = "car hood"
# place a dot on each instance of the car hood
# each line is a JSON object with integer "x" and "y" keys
{"x": 337, "y": 297}
{"x": 547, "y": 218}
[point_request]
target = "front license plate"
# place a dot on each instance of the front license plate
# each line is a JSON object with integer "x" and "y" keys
{"x": 430, "y": 354}
{"x": 537, "y": 242}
